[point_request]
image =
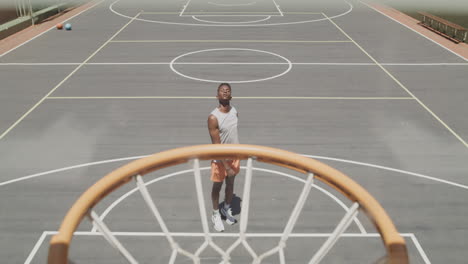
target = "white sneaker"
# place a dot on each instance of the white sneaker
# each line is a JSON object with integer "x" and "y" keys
{"x": 217, "y": 222}
{"x": 228, "y": 214}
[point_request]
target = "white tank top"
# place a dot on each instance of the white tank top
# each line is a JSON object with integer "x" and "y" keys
{"x": 227, "y": 123}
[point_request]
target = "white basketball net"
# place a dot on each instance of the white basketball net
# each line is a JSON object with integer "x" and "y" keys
{"x": 242, "y": 239}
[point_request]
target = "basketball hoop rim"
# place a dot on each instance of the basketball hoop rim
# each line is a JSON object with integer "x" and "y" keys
{"x": 393, "y": 241}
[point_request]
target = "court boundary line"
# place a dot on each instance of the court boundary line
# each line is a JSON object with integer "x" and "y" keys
{"x": 37, "y": 246}
{"x": 184, "y": 7}
{"x": 227, "y": 15}
{"x": 234, "y": 98}
{"x": 240, "y": 14}
{"x": 442, "y": 46}
{"x": 412, "y": 237}
{"x": 420, "y": 248}
{"x": 42, "y": 33}
{"x": 230, "y": 63}
{"x": 400, "y": 84}
{"x": 259, "y": 13}
{"x": 278, "y": 7}
{"x": 228, "y": 41}
{"x": 218, "y": 4}
{"x": 65, "y": 79}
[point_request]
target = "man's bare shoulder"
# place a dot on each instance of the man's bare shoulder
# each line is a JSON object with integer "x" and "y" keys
{"x": 212, "y": 117}
{"x": 212, "y": 121}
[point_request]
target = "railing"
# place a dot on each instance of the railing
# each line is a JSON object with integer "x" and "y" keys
{"x": 36, "y": 10}
{"x": 445, "y": 28}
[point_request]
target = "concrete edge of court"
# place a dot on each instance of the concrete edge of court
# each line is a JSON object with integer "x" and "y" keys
{"x": 460, "y": 49}
{"x": 23, "y": 31}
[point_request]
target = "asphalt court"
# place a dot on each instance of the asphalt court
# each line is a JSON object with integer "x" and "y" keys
{"x": 15, "y": 85}
{"x": 408, "y": 46}
{"x": 166, "y": 51}
{"x": 371, "y": 128}
{"x": 267, "y": 6}
{"x": 63, "y": 47}
{"x": 90, "y": 246}
{"x": 447, "y": 100}
{"x": 319, "y": 30}
{"x": 136, "y": 223}
{"x": 310, "y": 81}
{"x": 335, "y": 89}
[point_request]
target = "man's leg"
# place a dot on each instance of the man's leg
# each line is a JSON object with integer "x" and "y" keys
{"x": 215, "y": 190}
{"x": 229, "y": 191}
{"x": 217, "y": 179}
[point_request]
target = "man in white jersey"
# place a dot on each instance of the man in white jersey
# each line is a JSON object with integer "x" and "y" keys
{"x": 222, "y": 125}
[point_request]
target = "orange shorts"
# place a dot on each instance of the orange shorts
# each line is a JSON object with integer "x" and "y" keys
{"x": 218, "y": 172}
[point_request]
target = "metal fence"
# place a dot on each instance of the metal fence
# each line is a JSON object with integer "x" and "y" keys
{"x": 36, "y": 10}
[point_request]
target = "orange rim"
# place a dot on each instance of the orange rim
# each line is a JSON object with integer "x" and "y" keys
{"x": 394, "y": 243}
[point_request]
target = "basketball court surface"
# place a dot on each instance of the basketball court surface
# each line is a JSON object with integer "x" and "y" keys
{"x": 341, "y": 83}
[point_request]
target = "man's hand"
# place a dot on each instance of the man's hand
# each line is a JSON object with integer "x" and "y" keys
{"x": 230, "y": 171}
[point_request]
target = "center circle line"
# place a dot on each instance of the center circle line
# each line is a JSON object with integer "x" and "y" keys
{"x": 219, "y": 4}
{"x": 289, "y": 63}
{"x": 242, "y": 22}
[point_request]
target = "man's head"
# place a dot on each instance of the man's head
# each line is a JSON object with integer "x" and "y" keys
{"x": 224, "y": 92}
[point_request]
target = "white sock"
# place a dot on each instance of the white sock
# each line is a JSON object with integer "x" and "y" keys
{"x": 216, "y": 211}
{"x": 226, "y": 206}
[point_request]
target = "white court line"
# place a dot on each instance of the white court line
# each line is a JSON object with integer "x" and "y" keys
{"x": 252, "y": 235}
{"x": 418, "y": 175}
{"x": 234, "y": 98}
{"x": 425, "y": 64}
{"x": 232, "y": 63}
{"x": 420, "y": 249}
{"x": 229, "y": 41}
{"x": 278, "y": 7}
{"x": 36, "y": 247}
{"x": 240, "y": 15}
{"x": 183, "y": 9}
{"x": 414, "y": 31}
{"x": 400, "y": 84}
{"x": 221, "y": 13}
{"x": 66, "y": 78}
{"x": 225, "y": 234}
{"x": 111, "y": 8}
{"x": 225, "y": 12}
{"x": 245, "y": 4}
{"x": 164, "y": 177}
{"x": 207, "y": 13}
{"x": 202, "y": 13}
{"x": 6, "y": 52}
{"x": 231, "y": 81}
{"x": 223, "y": 22}
{"x": 38, "y": 64}
{"x": 160, "y": 13}
{"x": 68, "y": 168}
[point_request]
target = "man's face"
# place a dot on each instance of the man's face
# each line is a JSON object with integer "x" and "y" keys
{"x": 224, "y": 93}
